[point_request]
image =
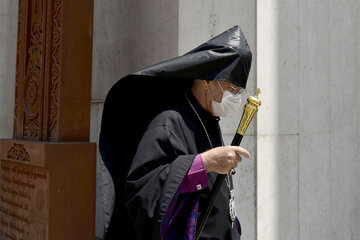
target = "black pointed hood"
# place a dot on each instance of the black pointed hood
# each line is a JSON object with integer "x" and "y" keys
{"x": 226, "y": 57}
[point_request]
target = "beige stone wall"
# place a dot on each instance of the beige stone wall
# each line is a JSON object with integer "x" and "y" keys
{"x": 308, "y": 128}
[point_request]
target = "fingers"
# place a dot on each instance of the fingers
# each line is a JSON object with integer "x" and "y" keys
{"x": 223, "y": 159}
{"x": 237, "y": 159}
{"x": 234, "y": 165}
{"x": 240, "y": 151}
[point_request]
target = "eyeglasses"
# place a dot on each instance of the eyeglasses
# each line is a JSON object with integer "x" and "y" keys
{"x": 234, "y": 90}
{"x": 237, "y": 90}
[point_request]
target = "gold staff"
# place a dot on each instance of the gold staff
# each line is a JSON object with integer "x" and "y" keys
{"x": 250, "y": 109}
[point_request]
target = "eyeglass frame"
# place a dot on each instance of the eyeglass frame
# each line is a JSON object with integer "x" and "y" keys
{"x": 234, "y": 89}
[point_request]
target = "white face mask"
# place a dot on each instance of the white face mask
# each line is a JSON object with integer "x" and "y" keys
{"x": 230, "y": 103}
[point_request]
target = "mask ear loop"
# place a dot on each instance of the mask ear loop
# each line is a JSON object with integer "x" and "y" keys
{"x": 220, "y": 86}
{"x": 210, "y": 92}
{"x": 210, "y": 95}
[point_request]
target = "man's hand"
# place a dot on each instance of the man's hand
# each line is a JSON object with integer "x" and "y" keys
{"x": 223, "y": 159}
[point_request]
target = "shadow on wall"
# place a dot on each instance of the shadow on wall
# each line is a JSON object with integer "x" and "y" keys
{"x": 128, "y": 36}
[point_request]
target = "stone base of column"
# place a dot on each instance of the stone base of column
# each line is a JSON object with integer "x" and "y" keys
{"x": 47, "y": 190}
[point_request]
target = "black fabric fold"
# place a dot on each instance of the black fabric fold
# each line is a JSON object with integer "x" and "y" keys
{"x": 129, "y": 110}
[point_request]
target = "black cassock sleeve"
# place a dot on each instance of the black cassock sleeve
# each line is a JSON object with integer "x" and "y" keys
{"x": 164, "y": 156}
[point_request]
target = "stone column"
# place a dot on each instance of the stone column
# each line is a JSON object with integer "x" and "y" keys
{"x": 48, "y": 168}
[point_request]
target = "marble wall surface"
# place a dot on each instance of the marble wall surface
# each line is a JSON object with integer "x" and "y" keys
{"x": 308, "y": 128}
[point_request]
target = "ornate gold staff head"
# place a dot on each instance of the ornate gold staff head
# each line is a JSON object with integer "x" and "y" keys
{"x": 250, "y": 109}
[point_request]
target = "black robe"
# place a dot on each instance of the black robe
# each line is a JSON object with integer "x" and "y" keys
{"x": 165, "y": 153}
{"x": 131, "y": 112}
